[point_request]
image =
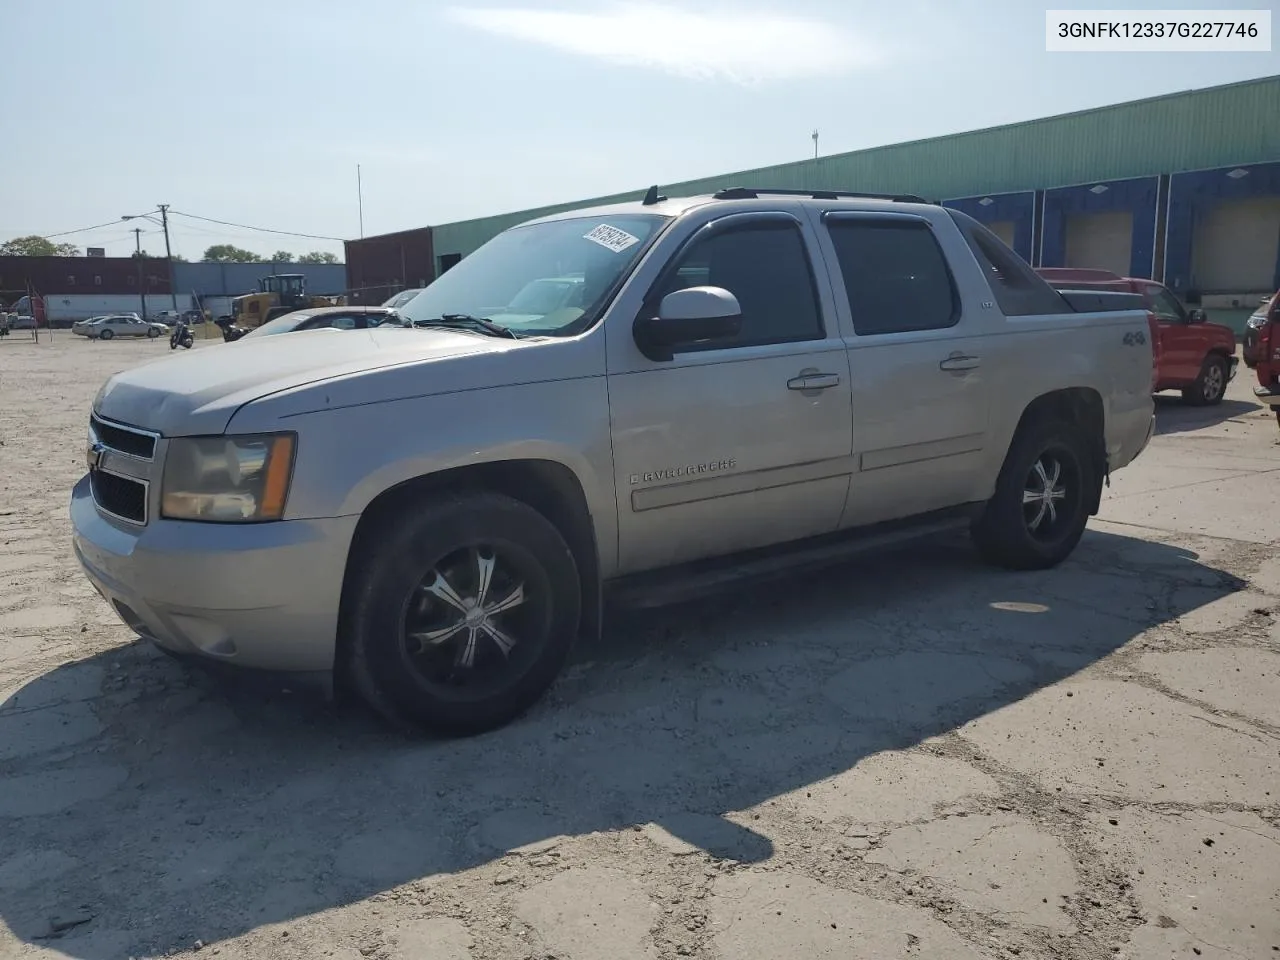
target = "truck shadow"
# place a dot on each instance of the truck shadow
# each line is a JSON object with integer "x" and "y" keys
{"x": 1175, "y": 416}
{"x": 166, "y": 807}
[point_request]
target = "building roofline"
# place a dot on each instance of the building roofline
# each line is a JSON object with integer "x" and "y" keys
{"x": 605, "y": 199}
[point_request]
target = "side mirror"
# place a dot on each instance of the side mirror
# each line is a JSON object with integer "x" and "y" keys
{"x": 692, "y": 315}
{"x": 1197, "y": 316}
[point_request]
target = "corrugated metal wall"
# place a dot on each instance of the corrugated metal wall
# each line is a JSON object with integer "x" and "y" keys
{"x": 1218, "y": 126}
{"x": 233, "y": 279}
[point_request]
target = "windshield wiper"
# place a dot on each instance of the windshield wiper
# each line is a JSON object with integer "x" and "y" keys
{"x": 464, "y": 321}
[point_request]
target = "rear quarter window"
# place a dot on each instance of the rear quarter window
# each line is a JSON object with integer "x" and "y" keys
{"x": 1019, "y": 290}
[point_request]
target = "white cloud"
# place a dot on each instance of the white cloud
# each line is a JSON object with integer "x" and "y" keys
{"x": 736, "y": 45}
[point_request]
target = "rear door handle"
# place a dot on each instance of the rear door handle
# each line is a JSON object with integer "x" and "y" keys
{"x": 959, "y": 362}
{"x": 814, "y": 381}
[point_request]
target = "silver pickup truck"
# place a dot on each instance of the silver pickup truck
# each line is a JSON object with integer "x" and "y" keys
{"x": 704, "y": 387}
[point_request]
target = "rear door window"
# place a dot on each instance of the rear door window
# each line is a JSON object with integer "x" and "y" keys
{"x": 895, "y": 275}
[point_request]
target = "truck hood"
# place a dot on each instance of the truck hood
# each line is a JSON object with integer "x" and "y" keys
{"x": 196, "y": 392}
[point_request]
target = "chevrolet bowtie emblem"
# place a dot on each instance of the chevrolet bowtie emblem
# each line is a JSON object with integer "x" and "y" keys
{"x": 93, "y": 456}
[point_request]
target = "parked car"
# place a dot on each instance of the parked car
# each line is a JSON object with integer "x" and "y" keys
{"x": 120, "y": 325}
{"x": 81, "y": 327}
{"x": 167, "y": 317}
{"x": 319, "y": 318}
{"x": 1193, "y": 355}
{"x": 753, "y": 378}
{"x": 21, "y": 321}
{"x": 1268, "y": 308}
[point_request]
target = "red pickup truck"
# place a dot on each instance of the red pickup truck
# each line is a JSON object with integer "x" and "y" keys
{"x": 1267, "y": 358}
{"x": 1192, "y": 354}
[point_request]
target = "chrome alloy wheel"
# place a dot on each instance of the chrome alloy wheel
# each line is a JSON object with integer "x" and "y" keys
{"x": 473, "y": 623}
{"x": 1214, "y": 383}
{"x": 1049, "y": 496}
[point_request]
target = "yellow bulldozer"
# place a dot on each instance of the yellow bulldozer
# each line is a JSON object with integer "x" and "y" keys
{"x": 277, "y": 295}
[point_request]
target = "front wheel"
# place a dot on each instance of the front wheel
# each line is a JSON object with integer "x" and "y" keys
{"x": 1041, "y": 502}
{"x": 106, "y": 334}
{"x": 464, "y": 610}
{"x": 1210, "y": 386}
{"x": 152, "y": 333}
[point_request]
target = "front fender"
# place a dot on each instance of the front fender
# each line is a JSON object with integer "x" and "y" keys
{"x": 347, "y": 457}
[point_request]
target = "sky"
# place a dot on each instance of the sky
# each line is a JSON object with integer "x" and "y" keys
{"x": 257, "y": 112}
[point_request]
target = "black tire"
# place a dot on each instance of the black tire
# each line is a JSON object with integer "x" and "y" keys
{"x": 106, "y": 334}
{"x": 1004, "y": 533}
{"x": 1210, "y": 386}
{"x": 152, "y": 333}
{"x": 416, "y": 683}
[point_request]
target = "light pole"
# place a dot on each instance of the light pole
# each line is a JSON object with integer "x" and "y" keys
{"x": 163, "y": 210}
{"x": 815, "y": 144}
{"x": 142, "y": 280}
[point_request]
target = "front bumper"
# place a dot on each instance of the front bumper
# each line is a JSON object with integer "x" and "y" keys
{"x": 261, "y": 595}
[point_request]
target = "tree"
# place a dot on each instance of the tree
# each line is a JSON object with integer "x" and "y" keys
{"x": 34, "y": 246}
{"x": 178, "y": 258}
{"x": 229, "y": 253}
{"x": 282, "y": 256}
{"x": 318, "y": 256}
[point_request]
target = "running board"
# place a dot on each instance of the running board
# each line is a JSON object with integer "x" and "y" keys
{"x": 692, "y": 581}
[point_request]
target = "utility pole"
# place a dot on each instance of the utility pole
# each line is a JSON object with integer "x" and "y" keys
{"x": 360, "y": 199}
{"x": 168, "y": 254}
{"x": 142, "y": 281}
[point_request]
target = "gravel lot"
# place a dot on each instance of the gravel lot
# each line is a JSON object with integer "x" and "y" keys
{"x": 908, "y": 757}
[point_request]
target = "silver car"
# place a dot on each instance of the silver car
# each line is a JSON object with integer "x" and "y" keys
{"x": 124, "y": 325}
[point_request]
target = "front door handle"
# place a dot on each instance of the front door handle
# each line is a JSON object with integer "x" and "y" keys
{"x": 959, "y": 362}
{"x": 813, "y": 380}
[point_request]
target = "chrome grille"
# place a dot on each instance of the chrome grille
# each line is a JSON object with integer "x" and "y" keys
{"x": 119, "y": 496}
{"x": 127, "y": 440}
{"x": 121, "y": 459}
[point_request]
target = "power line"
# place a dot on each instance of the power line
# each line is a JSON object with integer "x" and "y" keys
{"x": 245, "y": 226}
{"x": 67, "y": 233}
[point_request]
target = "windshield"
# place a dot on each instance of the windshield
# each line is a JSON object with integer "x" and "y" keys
{"x": 543, "y": 279}
{"x": 401, "y": 298}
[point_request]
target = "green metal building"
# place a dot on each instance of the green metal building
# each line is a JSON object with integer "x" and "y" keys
{"x": 1183, "y": 188}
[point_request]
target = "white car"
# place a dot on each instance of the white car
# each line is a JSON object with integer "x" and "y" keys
{"x": 119, "y": 325}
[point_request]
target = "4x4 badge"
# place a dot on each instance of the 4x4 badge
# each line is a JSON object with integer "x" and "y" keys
{"x": 1135, "y": 337}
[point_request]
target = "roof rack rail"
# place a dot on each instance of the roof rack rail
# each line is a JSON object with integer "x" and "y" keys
{"x": 752, "y": 193}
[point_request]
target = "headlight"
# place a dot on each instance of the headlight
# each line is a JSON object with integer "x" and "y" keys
{"x": 228, "y": 479}
{"x": 1255, "y": 322}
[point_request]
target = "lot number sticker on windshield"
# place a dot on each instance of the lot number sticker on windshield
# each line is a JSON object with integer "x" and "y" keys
{"x": 611, "y": 238}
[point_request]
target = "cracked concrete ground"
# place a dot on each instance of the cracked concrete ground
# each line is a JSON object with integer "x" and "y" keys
{"x": 914, "y": 756}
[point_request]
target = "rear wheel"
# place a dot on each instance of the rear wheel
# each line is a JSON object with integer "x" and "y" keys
{"x": 1041, "y": 502}
{"x": 464, "y": 610}
{"x": 1210, "y": 386}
